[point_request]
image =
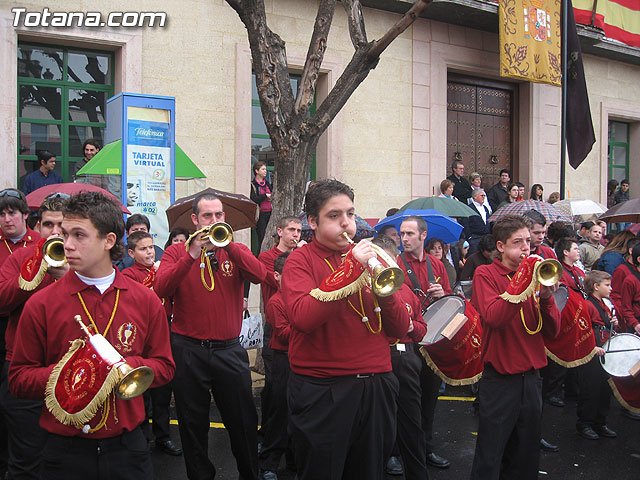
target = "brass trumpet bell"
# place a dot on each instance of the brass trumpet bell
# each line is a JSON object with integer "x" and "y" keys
{"x": 53, "y": 252}
{"x": 135, "y": 381}
{"x": 219, "y": 234}
{"x": 548, "y": 272}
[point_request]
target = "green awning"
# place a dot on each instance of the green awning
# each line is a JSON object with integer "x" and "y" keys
{"x": 109, "y": 159}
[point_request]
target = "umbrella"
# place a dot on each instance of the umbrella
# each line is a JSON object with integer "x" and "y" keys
{"x": 438, "y": 225}
{"x": 35, "y": 198}
{"x": 550, "y": 212}
{"x": 240, "y": 211}
{"x": 447, "y": 206}
{"x": 580, "y": 210}
{"x": 628, "y": 211}
{"x": 363, "y": 229}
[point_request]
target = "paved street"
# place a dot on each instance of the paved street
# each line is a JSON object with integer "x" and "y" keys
{"x": 456, "y": 429}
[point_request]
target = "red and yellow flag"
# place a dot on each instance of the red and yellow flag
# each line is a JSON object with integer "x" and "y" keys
{"x": 620, "y": 19}
{"x": 530, "y": 40}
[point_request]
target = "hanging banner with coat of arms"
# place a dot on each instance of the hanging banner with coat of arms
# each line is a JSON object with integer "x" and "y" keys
{"x": 530, "y": 40}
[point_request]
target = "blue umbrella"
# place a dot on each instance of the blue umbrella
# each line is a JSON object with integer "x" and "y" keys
{"x": 438, "y": 225}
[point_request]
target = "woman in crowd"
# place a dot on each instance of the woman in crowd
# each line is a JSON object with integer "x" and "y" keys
{"x": 446, "y": 188}
{"x": 536, "y": 192}
{"x": 438, "y": 249}
{"x": 177, "y": 235}
{"x": 513, "y": 193}
{"x": 613, "y": 254}
{"x": 554, "y": 197}
{"x": 261, "y": 194}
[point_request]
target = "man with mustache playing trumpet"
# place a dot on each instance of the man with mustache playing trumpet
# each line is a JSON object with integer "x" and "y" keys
{"x": 342, "y": 394}
{"x": 22, "y": 416}
{"x": 207, "y": 284}
{"x": 515, "y": 321}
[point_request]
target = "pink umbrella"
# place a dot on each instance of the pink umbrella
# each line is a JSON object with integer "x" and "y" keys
{"x": 35, "y": 198}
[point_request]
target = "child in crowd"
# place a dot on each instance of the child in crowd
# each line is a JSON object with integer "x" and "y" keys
{"x": 141, "y": 249}
{"x": 595, "y": 394}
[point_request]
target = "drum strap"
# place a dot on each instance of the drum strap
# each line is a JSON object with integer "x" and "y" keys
{"x": 632, "y": 270}
{"x": 578, "y": 281}
{"x": 412, "y": 275}
{"x": 606, "y": 319}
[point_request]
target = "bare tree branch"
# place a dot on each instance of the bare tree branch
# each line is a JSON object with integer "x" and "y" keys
{"x": 363, "y": 61}
{"x": 400, "y": 26}
{"x": 356, "y": 23}
{"x": 315, "y": 54}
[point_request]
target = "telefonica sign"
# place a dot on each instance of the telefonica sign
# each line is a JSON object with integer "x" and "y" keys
{"x": 148, "y": 132}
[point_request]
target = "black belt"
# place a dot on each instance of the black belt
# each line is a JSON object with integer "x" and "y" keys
{"x": 215, "y": 344}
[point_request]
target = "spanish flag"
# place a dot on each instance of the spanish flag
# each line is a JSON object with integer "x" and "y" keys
{"x": 619, "y": 19}
{"x": 530, "y": 40}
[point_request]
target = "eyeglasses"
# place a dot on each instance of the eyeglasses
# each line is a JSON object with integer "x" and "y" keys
{"x": 64, "y": 196}
{"x": 11, "y": 192}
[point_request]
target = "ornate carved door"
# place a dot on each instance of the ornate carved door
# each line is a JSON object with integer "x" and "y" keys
{"x": 479, "y": 128}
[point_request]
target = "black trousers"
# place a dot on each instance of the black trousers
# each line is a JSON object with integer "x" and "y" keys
{"x": 410, "y": 438}
{"x": 156, "y": 404}
{"x": 343, "y": 428}
{"x": 265, "y": 395}
{"x": 594, "y": 394}
{"x": 276, "y": 437}
{"x": 430, "y": 385}
{"x": 26, "y": 437}
{"x": 125, "y": 457}
{"x": 4, "y": 435}
{"x": 554, "y": 376}
{"x": 261, "y": 226}
{"x": 507, "y": 447}
{"x": 221, "y": 370}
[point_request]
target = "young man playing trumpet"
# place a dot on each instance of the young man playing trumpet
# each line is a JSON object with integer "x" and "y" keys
{"x": 342, "y": 394}
{"x": 26, "y": 437}
{"x": 107, "y": 442}
{"x": 207, "y": 285}
{"x": 513, "y": 352}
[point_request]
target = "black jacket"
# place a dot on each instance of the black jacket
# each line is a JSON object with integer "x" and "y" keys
{"x": 496, "y": 195}
{"x": 461, "y": 188}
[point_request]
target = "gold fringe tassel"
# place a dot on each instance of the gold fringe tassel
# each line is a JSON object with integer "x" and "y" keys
{"x": 82, "y": 417}
{"x": 621, "y": 400}
{"x": 29, "y": 285}
{"x": 449, "y": 381}
{"x": 343, "y": 292}
{"x": 523, "y": 296}
{"x": 573, "y": 364}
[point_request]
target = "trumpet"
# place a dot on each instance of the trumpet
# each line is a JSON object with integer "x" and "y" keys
{"x": 53, "y": 252}
{"x": 134, "y": 381}
{"x": 548, "y": 272}
{"x": 386, "y": 276}
{"x": 219, "y": 235}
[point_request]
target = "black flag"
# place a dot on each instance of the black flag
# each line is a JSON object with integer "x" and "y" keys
{"x": 579, "y": 130}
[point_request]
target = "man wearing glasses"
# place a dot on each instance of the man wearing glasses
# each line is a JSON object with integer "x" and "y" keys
{"x": 14, "y": 234}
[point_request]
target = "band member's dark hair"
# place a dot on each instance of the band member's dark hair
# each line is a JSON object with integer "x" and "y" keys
{"x": 12, "y": 199}
{"x": 506, "y": 225}
{"x": 564, "y": 244}
{"x": 635, "y": 253}
{"x": 558, "y": 230}
{"x": 432, "y": 243}
{"x": 631, "y": 245}
{"x": 422, "y": 224}
{"x": 104, "y": 214}
{"x": 174, "y": 233}
{"x": 387, "y": 244}
{"x": 284, "y": 221}
{"x": 44, "y": 156}
{"x": 536, "y": 217}
{"x": 278, "y": 263}
{"x": 203, "y": 196}
{"x": 595, "y": 277}
{"x": 135, "y": 237}
{"x": 383, "y": 230}
{"x": 91, "y": 141}
{"x": 487, "y": 243}
{"x": 51, "y": 204}
{"x": 321, "y": 191}
{"x": 137, "y": 219}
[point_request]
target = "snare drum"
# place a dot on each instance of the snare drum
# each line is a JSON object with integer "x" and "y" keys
{"x": 439, "y": 314}
{"x": 561, "y": 296}
{"x": 623, "y": 353}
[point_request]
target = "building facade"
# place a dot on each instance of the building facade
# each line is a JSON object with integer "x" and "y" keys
{"x": 435, "y": 96}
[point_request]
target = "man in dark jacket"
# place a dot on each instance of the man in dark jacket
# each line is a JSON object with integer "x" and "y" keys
{"x": 498, "y": 193}
{"x": 461, "y": 186}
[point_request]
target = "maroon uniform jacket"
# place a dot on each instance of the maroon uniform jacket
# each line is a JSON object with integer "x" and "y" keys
{"x": 139, "y": 272}
{"x": 412, "y": 304}
{"x": 628, "y": 297}
{"x": 276, "y": 313}
{"x": 545, "y": 252}
{"x": 505, "y": 344}
{"x": 329, "y": 338}
{"x": 269, "y": 286}
{"x": 420, "y": 268}
{"x": 47, "y": 326}
{"x": 12, "y": 297}
{"x": 7, "y": 247}
{"x": 570, "y": 280}
{"x": 197, "y": 312}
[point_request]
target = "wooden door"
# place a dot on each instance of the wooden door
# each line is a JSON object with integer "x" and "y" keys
{"x": 479, "y": 129}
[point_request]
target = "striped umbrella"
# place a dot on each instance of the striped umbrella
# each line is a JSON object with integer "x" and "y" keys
{"x": 551, "y": 213}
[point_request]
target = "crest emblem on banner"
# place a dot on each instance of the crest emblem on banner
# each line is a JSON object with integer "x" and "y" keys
{"x": 530, "y": 40}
